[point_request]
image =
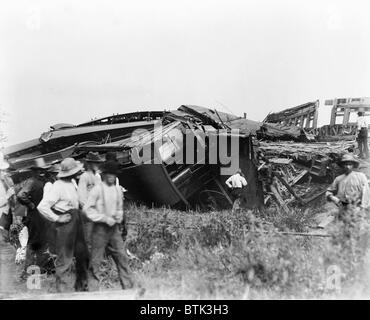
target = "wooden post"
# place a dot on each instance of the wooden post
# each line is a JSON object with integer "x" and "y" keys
{"x": 333, "y": 114}
{"x": 347, "y": 111}
{"x": 315, "y": 115}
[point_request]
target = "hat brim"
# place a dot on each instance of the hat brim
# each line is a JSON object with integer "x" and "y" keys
{"x": 355, "y": 162}
{"x": 71, "y": 172}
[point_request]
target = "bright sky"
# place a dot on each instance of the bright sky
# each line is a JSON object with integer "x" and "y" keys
{"x": 68, "y": 60}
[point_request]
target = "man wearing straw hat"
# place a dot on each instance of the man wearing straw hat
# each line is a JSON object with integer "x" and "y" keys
{"x": 351, "y": 189}
{"x": 61, "y": 206}
{"x": 38, "y": 227}
{"x": 7, "y": 199}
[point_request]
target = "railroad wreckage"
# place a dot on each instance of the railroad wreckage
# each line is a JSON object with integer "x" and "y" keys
{"x": 178, "y": 158}
{"x": 298, "y": 150}
{"x": 181, "y": 158}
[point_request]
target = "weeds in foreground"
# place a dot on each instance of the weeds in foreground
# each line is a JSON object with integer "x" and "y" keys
{"x": 220, "y": 255}
{"x": 231, "y": 252}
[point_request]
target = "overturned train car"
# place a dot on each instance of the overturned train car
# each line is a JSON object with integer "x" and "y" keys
{"x": 183, "y": 160}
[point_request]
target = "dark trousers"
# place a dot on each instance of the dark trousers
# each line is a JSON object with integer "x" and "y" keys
{"x": 37, "y": 230}
{"x": 106, "y": 238}
{"x": 362, "y": 143}
{"x": 70, "y": 243}
{"x": 237, "y": 195}
{"x": 40, "y": 240}
{"x": 88, "y": 228}
{"x": 6, "y": 220}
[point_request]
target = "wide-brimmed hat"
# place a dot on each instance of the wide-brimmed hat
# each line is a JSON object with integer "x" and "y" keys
{"x": 69, "y": 167}
{"x": 3, "y": 163}
{"x": 349, "y": 158}
{"x": 40, "y": 163}
{"x": 110, "y": 167}
{"x": 93, "y": 157}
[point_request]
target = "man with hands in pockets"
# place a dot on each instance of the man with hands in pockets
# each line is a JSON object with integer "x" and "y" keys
{"x": 104, "y": 207}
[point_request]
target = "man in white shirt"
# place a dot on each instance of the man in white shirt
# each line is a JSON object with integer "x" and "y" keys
{"x": 88, "y": 180}
{"x": 104, "y": 207}
{"x": 236, "y": 183}
{"x": 60, "y": 205}
{"x": 362, "y": 132}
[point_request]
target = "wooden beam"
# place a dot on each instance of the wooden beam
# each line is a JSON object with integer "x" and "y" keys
{"x": 333, "y": 115}
{"x": 278, "y": 198}
{"x": 315, "y": 117}
{"x": 347, "y": 112}
{"x": 289, "y": 188}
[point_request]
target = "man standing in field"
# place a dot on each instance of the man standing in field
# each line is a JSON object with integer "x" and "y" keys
{"x": 104, "y": 207}
{"x": 236, "y": 183}
{"x": 351, "y": 189}
{"x": 60, "y": 205}
{"x": 362, "y": 132}
{"x": 88, "y": 180}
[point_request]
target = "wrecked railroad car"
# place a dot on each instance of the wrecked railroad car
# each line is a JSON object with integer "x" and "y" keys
{"x": 61, "y": 136}
{"x": 183, "y": 167}
{"x": 157, "y": 180}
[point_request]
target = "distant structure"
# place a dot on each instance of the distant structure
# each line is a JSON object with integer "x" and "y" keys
{"x": 344, "y": 107}
{"x": 342, "y": 124}
{"x": 303, "y": 116}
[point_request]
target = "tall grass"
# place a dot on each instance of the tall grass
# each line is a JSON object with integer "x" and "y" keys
{"x": 220, "y": 254}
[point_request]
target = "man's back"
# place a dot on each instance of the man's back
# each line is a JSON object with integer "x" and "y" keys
{"x": 361, "y": 122}
{"x": 236, "y": 181}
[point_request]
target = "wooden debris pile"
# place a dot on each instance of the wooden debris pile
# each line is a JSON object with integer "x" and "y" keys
{"x": 306, "y": 152}
{"x": 287, "y": 170}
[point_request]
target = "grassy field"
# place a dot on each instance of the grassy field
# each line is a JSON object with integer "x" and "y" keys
{"x": 220, "y": 255}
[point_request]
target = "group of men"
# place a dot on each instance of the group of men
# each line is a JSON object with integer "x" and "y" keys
{"x": 75, "y": 212}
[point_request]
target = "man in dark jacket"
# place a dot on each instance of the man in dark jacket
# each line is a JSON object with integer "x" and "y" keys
{"x": 39, "y": 229}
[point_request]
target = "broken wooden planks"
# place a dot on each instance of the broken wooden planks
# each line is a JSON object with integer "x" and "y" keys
{"x": 304, "y": 151}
